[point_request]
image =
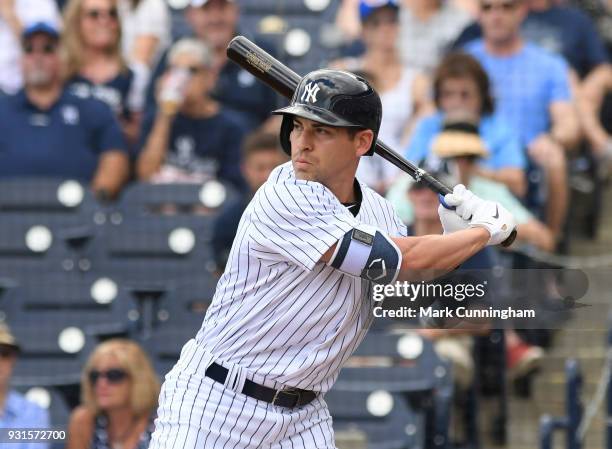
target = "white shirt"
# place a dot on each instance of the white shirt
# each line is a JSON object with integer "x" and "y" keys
{"x": 288, "y": 319}
{"x": 28, "y": 12}
{"x": 149, "y": 18}
{"x": 397, "y": 109}
{"x": 422, "y": 44}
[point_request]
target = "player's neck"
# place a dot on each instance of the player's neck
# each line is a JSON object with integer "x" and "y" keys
{"x": 345, "y": 191}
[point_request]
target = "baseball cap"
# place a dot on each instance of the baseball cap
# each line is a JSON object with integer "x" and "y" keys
{"x": 459, "y": 137}
{"x": 40, "y": 27}
{"x": 367, "y": 7}
{"x": 6, "y": 338}
{"x": 198, "y": 3}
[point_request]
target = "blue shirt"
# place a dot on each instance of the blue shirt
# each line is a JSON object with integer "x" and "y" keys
{"x": 64, "y": 141}
{"x": 115, "y": 92}
{"x": 503, "y": 144}
{"x": 564, "y": 30}
{"x": 203, "y": 145}
{"x": 21, "y": 413}
{"x": 525, "y": 85}
{"x": 567, "y": 31}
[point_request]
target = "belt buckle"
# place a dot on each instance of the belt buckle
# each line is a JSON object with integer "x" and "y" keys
{"x": 293, "y": 391}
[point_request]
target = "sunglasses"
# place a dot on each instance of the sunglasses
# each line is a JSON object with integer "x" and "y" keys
{"x": 193, "y": 70}
{"x": 6, "y": 352}
{"x": 113, "y": 376}
{"x": 96, "y": 14}
{"x": 47, "y": 49}
{"x": 378, "y": 21}
{"x": 504, "y": 6}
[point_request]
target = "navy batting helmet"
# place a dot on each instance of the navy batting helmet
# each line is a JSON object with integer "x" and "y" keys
{"x": 334, "y": 98}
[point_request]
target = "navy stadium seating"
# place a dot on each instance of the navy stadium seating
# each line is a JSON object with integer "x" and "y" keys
{"x": 396, "y": 428}
{"x": 43, "y": 361}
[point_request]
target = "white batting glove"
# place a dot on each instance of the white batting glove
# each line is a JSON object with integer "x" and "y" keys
{"x": 450, "y": 219}
{"x": 494, "y": 218}
{"x": 464, "y": 200}
{"x": 451, "y": 222}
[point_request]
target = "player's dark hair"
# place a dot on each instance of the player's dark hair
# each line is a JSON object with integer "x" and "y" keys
{"x": 461, "y": 65}
{"x": 259, "y": 141}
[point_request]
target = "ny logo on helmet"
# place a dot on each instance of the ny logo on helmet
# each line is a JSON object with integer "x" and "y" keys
{"x": 310, "y": 93}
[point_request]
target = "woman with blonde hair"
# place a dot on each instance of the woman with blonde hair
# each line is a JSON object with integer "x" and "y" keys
{"x": 119, "y": 391}
{"x": 94, "y": 63}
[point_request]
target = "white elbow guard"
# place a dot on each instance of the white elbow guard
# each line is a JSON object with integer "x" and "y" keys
{"x": 367, "y": 253}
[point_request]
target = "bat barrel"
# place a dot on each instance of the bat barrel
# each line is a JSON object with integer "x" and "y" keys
{"x": 258, "y": 62}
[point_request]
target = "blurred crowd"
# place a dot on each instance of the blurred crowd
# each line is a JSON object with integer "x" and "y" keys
{"x": 96, "y": 90}
{"x": 496, "y": 94}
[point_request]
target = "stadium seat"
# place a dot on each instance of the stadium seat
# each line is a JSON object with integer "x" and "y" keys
{"x": 386, "y": 418}
{"x": 164, "y": 346}
{"x": 406, "y": 365}
{"x": 94, "y": 302}
{"x": 161, "y": 249}
{"x": 259, "y": 7}
{"x": 188, "y": 300}
{"x": 8, "y": 300}
{"x": 51, "y": 354}
{"x": 409, "y": 363}
{"x": 144, "y": 199}
{"x": 45, "y": 195}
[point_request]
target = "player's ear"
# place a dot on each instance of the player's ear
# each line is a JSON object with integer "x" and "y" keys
{"x": 363, "y": 141}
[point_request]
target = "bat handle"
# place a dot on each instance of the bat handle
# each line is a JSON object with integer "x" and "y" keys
{"x": 509, "y": 241}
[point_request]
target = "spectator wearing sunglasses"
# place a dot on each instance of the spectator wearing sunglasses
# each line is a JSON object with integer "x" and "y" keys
{"x": 533, "y": 95}
{"x": 560, "y": 28}
{"x": 15, "y": 410}
{"x": 94, "y": 62}
{"x": 15, "y": 15}
{"x": 47, "y": 131}
{"x": 216, "y": 22}
{"x": 119, "y": 391}
{"x": 191, "y": 137}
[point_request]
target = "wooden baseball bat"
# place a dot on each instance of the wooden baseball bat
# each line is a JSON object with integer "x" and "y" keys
{"x": 283, "y": 80}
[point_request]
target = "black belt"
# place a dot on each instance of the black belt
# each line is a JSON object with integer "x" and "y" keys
{"x": 285, "y": 398}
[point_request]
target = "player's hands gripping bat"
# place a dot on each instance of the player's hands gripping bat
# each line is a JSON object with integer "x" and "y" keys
{"x": 283, "y": 80}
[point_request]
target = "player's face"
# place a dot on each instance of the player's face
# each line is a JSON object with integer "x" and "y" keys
{"x": 257, "y": 166}
{"x": 7, "y": 362}
{"x": 501, "y": 19}
{"x": 111, "y": 383}
{"x": 324, "y": 153}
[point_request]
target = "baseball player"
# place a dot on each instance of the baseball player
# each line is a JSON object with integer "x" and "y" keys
{"x": 295, "y": 299}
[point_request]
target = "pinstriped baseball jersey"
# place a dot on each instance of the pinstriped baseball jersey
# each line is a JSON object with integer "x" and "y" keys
{"x": 278, "y": 312}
